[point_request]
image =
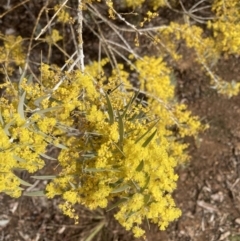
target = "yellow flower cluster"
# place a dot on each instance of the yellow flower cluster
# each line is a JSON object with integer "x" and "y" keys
{"x": 31, "y": 120}
{"x": 227, "y": 88}
{"x": 150, "y": 16}
{"x": 157, "y": 4}
{"x": 153, "y": 72}
{"x": 208, "y": 50}
{"x": 54, "y": 37}
{"x": 63, "y": 16}
{"x": 20, "y": 147}
{"x": 226, "y": 27}
{"x": 11, "y": 52}
{"x": 134, "y": 4}
{"x": 123, "y": 150}
{"x": 115, "y": 145}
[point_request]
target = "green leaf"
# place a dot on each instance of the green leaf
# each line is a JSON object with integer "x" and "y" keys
{"x": 17, "y": 158}
{"x": 119, "y": 149}
{"x": 21, "y": 105}
{"x": 136, "y": 186}
{"x": 140, "y": 138}
{"x": 138, "y": 116}
{"x": 7, "y": 126}
{"x": 149, "y": 138}
{"x": 47, "y": 177}
{"x": 148, "y": 224}
{"x": 48, "y": 110}
{"x": 173, "y": 80}
{"x": 140, "y": 166}
{"x": 47, "y": 157}
{"x": 94, "y": 169}
{"x": 146, "y": 198}
{"x": 120, "y": 189}
{"x": 146, "y": 184}
{"x": 22, "y": 73}
{"x": 35, "y": 194}
{"x": 1, "y": 119}
{"x": 94, "y": 231}
{"x": 123, "y": 200}
{"x": 20, "y": 70}
{"x": 89, "y": 155}
{"x": 24, "y": 183}
{"x": 72, "y": 185}
{"x": 115, "y": 88}
{"x": 30, "y": 79}
{"x": 100, "y": 170}
{"x": 121, "y": 131}
{"x": 116, "y": 183}
{"x": 110, "y": 110}
{"x": 61, "y": 146}
{"x": 39, "y": 100}
{"x": 129, "y": 104}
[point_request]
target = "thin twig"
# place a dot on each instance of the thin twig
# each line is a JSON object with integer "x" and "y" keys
{"x": 30, "y": 47}
{"x": 49, "y": 23}
{"x": 68, "y": 61}
{"x": 80, "y": 39}
{"x": 74, "y": 41}
{"x": 94, "y": 11}
{"x": 2, "y": 15}
{"x": 124, "y": 20}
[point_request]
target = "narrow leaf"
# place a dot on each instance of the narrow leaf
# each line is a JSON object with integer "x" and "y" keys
{"x": 119, "y": 149}
{"x": 94, "y": 169}
{"x": 173, "y": 80}
{"x": 148, "y": 224}
{"x": 140, "y": 166}
{"x": 20, "y": 70}
{"x": 115, "y": 88}
{"x": 100, "y": 170}
{"x": 21, "y": 105}
{"x": 30, "y": 79}
{"x": 47, "y": 177}
{"x": 61, "y": 146}
{"x": 35, "y": 194}
{"x": 146, "y": 198}
{"x": 39, "y": 100}
{"x": 23, "y": 182}
{"x": 110, "y": 110}
{"x": 48, "y": 110}
{"x": 89, "y": 155}
{"x": 1, "y": 119}
{"x": 129, "y": 104}
{"x": 48, "y": 157}
{"x": 121, "y": 130}
{"x": 140, "y": 138}
{"x": 22, "y": 73}
{"x": 123, "y": 200}
{"x": 95, "y": 231}
{"x": 149, "y": 138}
{"x": 7, "y": 126}
{"x": 138, "y": 116}
{"x": 146, "y": 184}
{"x": 72, "y": 185}
{"x": 17, "y": 158}
{"x": 136, "y": 185}
{"x": 120, "y": 189}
